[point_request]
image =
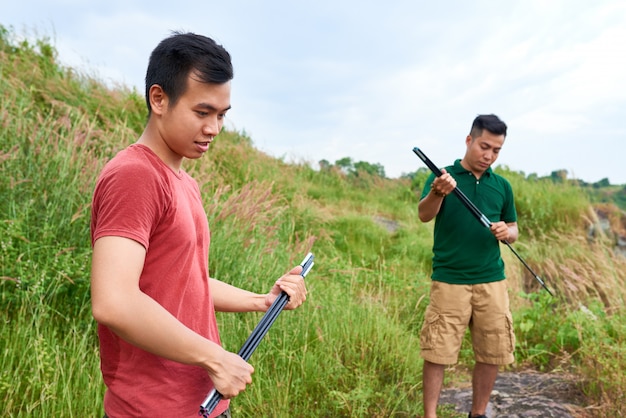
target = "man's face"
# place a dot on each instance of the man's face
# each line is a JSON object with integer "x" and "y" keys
{"x": 190, "y": 125}
{"x": 482, "y": 151}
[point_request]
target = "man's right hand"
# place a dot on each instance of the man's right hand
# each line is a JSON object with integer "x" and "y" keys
{"x": 231, "y": 374}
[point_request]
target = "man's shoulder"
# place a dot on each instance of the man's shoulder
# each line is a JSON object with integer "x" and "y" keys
{"x": 500, "y": 179}
{"x": 502, "y": 185}
{"x": 129, "y": 157}
{"x": 137, "y": 164}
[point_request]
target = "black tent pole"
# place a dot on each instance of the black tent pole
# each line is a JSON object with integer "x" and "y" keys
{"x": 253, "y": 341}
{"x": 476, "y": 212}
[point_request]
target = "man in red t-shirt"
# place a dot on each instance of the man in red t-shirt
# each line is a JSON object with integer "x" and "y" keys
{"x": 151, "y": 294}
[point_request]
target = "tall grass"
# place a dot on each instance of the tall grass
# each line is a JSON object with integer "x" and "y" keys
{"x": 352, "y": 350}
{"x": 49, "y": 364}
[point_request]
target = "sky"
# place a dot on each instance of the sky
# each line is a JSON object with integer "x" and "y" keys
{"x": 371, "y": 80}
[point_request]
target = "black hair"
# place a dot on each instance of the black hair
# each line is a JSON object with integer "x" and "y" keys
{"x": 177, "y": 56}
{"x": 491, "y": 123}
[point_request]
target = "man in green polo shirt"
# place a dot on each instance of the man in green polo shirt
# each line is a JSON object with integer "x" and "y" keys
{"x": 468, "y": 287}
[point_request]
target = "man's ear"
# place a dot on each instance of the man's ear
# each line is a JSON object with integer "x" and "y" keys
{"x": 158, "y": 99}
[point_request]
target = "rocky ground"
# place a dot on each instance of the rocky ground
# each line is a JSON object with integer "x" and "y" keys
{"x": 524, "y": 394}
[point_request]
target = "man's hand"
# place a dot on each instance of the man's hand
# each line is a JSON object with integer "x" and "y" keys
{"x": 443, "y": 185}
{"x": 291, "y": 283}
{"x": 504, "y": 232}
{"x": 230, "y": 374}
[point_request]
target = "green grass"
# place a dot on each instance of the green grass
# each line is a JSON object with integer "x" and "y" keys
{"x": 353, "y": 349}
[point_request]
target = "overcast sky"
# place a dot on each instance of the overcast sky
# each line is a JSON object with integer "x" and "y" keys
{"x": 371, "y": 80}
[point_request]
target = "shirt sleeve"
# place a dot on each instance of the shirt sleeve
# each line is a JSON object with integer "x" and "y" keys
{"x": 509, "y": 213}
{"x": 426, "y": 188}
{"x": 128, "y": 202}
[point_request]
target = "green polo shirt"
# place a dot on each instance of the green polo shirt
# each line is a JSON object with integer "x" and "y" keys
{"x": 464, "y": 250}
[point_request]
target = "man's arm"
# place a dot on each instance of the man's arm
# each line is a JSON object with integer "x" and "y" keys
{"x": 228, "y": 298}
{"x": 429, "y": 206}
{"x": 119, "y": 304}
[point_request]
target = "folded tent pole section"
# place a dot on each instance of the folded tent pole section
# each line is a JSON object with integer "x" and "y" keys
{"x": 270, "y": 315}
{"x": 253, "y": 341}
{"x": 476, "y": 212}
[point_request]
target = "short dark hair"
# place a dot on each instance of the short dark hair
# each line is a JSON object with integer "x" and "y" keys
{"x": 491, "y": 123}
{"x": 177, "y": 56}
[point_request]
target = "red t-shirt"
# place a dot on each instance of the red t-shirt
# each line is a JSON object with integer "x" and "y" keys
{"x": 139, "y": 197}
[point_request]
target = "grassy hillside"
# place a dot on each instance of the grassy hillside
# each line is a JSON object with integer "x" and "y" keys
{"x": 353, "y": 349}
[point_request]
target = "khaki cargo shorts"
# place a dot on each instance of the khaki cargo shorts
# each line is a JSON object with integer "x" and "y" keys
{"x": 484, "y": 308}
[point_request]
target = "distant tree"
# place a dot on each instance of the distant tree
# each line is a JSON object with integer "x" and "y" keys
{"x": 345, "y": 164}
{"x": 373, "y": 169}
{"x": 324, "y": 165}
{"x": 353, "y": 168}
{"x": 602, "y": 183}
{"x": 559, "y": 176}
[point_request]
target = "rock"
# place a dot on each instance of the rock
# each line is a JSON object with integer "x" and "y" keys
{"x": 524, "y": 394}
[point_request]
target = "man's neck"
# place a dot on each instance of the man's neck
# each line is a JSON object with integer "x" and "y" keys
{"x": 153, "y": 140}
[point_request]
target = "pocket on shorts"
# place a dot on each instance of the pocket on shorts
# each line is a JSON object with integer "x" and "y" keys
{"x": 509, "y": 323}
{"x": 497, "y": 343}
{"x": 430, "y": 330}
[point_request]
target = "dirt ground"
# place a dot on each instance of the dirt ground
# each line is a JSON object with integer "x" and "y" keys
{"x": 524, "y": 394}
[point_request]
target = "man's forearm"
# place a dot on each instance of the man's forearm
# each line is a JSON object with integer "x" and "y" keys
{"x": 141, "y": 321}
{"x": 429, "y": 206}
{"x": 228, "y": 298}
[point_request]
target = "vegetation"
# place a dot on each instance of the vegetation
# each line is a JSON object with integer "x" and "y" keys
{"x": 600, "y": 191}
{"x": 353, "y": 349}
{"x": 355, "y": 169}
